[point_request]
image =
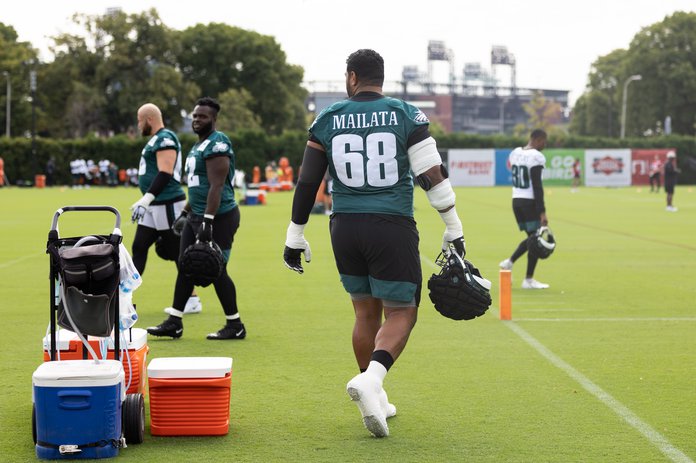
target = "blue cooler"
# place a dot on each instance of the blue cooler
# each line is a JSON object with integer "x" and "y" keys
{"x": 252, "y": 197}
{"x": 78, "y": 408}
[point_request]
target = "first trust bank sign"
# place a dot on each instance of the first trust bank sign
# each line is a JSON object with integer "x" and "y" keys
{"x": 471, "y": 167}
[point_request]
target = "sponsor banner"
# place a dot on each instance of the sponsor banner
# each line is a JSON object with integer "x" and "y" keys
{"x": 608, "y": 167}
{"x": 559, "y": 166}
{"x": 641, "y": 161}
{"x": 471, "y": 167}
{"x": 503, "y": 175}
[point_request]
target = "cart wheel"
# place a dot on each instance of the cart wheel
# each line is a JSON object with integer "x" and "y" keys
{"x": 33, "y": 422}
{"x": 134, "y": 418}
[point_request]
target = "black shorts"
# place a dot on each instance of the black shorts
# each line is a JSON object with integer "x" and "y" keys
{"x": 669, "y": 188}
{"x": 224, "y": 227}
{"x": 526, "y": 214}
{"x": 377, "y": 254}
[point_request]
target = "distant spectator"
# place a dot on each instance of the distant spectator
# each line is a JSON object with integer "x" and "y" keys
{"x": 576, "y": 175}
{"x": 104, "y": 171}
{"x": 76, "y": 173}
{"x": 671, "y": 171}
{"x": 132, "y": 174}
{"x": 2, "y": 172}
{"x": 113, "y": 174}
{"x": 50, "y": 171}
{"x": 654, "y": 173}
{"x": 92, "y": 173}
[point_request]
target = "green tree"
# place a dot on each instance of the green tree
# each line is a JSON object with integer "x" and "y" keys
{"x": 543, "y": 114}
{"x": 73, "y": 102}
{"x": 218, "y": 57}
{"x": 17, "y": 59}
{"x": 664, "y": 55}
{"x": 124, "y": 61}
{"x": 235, "y": 113}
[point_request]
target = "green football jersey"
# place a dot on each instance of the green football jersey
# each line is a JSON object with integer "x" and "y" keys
{"x": 217, "y": 144}
{"x": 366, "y": 145}
{"x": 164, "y": 139}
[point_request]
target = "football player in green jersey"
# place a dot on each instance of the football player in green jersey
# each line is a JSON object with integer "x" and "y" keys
{"x": 210, "y": 214}
{"x": 159, "y": 179}
{"x": 370, "y": 144}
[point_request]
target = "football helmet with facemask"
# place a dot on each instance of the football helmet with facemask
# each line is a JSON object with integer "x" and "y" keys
{"x": 542, "y": 243}
{"x": 202, "y": 263}
{"x": 459, "y": 291}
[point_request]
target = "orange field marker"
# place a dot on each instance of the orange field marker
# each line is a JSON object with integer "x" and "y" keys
{"x": 505, "y": 295}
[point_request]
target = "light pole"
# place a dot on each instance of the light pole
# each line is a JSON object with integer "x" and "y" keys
{"x": 623, "y": 108}
{"x": 8, "y": 106}
{"x": 32, "y": 87}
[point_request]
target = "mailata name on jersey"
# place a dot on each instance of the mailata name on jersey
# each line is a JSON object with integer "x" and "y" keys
{"x": 364, "y": 120}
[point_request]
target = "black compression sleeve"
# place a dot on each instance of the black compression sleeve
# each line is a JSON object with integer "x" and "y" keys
{"x": 535, "y": 174}
{"x": 312, "y": 172}
{"x": 159, "y": 183}
{"x": 418, "y": 135}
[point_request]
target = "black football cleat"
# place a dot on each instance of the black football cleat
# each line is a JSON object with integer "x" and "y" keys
{"x": 167, "y": 328}
{"x": 234, "y": 331}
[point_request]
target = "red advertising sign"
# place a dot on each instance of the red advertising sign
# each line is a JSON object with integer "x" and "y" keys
{"x": 645, "y": 161}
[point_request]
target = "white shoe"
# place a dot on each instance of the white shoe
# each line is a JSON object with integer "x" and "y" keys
{"x": 388, "y": 409}
{"x": 531, "y": 283}
{"x": 366, "y": 391}
{"x": 671, "y": 209}
{"x": 193, "y": 305}
{"x": 506, "y": 264}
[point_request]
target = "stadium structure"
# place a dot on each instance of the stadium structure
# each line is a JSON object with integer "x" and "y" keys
{"x": 472, "y": 102}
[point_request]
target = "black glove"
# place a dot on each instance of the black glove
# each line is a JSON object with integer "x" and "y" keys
{"x": 295, "y": 245}
{"x": 293, "y": 259}
{"x": 205, "y": 232}
{"x": 459, "y": 246}
{"x": 180, "y": 223}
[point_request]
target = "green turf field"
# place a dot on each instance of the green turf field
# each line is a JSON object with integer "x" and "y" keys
{"x": 601, "y": 367}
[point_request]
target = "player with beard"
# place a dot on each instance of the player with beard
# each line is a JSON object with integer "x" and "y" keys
{"x": 159, "y": 179}
{"x": 210, "y": 214}
{"x": 371, "y": 143}
{"x": 527, "y": 164}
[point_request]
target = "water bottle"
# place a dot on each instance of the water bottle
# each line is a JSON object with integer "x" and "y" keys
{"x": 127, "y": 320}
{"x": 56, "y": 296}
{"x": 130, "y": 283}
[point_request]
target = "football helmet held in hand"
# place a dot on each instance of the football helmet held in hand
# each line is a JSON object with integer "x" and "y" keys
{"x": 202, "y": 263}
{"x": 459, "y": 291}
{"x": 542, "y": 243}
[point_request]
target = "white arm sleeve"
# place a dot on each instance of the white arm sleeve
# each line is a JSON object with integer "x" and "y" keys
{"x": 424, "y": 155}
{"x": 441, "y": 196}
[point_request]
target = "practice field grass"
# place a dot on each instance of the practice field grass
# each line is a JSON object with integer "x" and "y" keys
{"x": 601, "y": 367}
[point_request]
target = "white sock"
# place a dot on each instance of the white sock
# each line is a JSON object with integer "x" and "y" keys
{"x": 232, "y": 317}
{"x": 376, "y": 369}
{"x": 177, "y": 313}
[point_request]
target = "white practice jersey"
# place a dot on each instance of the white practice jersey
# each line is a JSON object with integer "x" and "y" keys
{"x": 521, "y": 162}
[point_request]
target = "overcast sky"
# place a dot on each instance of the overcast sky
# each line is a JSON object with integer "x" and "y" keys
{"x": 554, "y": 41}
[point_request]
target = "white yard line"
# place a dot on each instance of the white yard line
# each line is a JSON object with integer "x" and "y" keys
{"x": 552, "y": 309}
{"x": 654, "y": 437}
{"x": 10, "y": 263}
{"x": 619, "y": 319}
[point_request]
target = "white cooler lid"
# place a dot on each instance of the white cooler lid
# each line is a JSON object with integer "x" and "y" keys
{"x": 137, "y": 338}
{"x": 189, "y": 367}
{"x": 79, "y": 373}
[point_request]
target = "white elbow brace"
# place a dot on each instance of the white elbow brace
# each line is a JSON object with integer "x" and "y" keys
{"x": 424, "y": 155}
{"x": 441, "y": 196}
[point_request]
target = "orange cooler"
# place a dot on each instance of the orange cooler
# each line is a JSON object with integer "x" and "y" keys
{"x": 190, "y": 396}
{"x": 70, "y": 348}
